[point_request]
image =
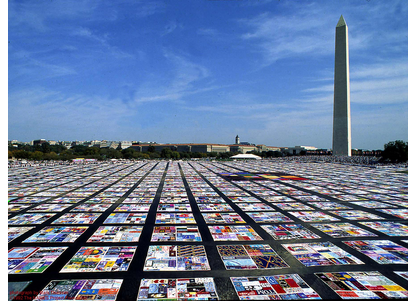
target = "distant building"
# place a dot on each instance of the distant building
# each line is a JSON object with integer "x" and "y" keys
{"x": 202, "y": 148}
{"x": 297, "y": 149}
{"x": 39, "y": 142}
{"x": 66, "y": 144}
{"x": 113, "y": 145}
{"x": 125, "y": 144}
{"x": 237, "y": 140}
{"x": 104, "y": 144}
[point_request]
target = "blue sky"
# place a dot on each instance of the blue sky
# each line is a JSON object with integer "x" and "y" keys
{"x": 204, "y": 71}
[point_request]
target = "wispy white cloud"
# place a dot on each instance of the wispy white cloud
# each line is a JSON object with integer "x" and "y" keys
{"x": 373, "y": 84}
{"x": 150, "y": 8}
{"x": 28, "y": 68}
{"x": 38, "y": 14}
{"x": 386, "y": 69}
{"x": 185, "y": 76}
{"x": 299, "y": 33}
{"x": 54, "y": 113}
{"x": 279, "y": 36}
{"x": 171, "y": 27}
{"x": 102, "y": 40}
{"x": 210, "y": 32}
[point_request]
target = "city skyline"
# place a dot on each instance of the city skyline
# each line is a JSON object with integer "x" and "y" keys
{"x": 202, "y": 72}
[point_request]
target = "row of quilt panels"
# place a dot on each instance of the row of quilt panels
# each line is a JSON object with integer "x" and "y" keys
{"x": 24, "y": 260}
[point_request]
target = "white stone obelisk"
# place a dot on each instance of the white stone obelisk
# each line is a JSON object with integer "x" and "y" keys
{"x": 342, "y": 113}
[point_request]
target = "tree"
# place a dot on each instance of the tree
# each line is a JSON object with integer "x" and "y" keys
{"x": 66, "y": 155}
{"x": 45, "y": 148}
{"x": 36, "y": 155}
{"x": 50, "y": 156}
{"x": 151, "y": 149}
{"x": 143, "y": 155}
{"x": 175, "y": 155}
{"x": 166, "y": 153}
{"x": 21, "y": 154}
{"x": 212, "y": 154}
{"x": 396, "y": 151}
{"x": 129, "y": 153}
{"x": 154, "y": 155}
{"x": 79, "y": 150}
{"x": 58, "y": 148}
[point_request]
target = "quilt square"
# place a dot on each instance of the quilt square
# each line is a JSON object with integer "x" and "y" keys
{"x": 173, "y": 199}
{"x": 127, "y": 218}
{"x": 289, "y": 231}
{"x": 14, "y": 208}
{"x": 30, "y": 218}
{"x": 362, "y": 285}
{"x": 50, "y": 207}
{"x": 57, "y": 234}
{"x": 177, "y": 289}
{"x": 388, "y": 227}
{"x": 174, "y": 207}
{"x": 372, "y": 204}
{"x": 293, "y": 206}
{"x": 356, "y": 215}
{"x": 176, "y": 233}
{"x": 30, "y": 200}
{"x": 175, "y": 218}
{"x": 254, "y": 256}
{"x": 329, "y": 205}
{"x": 400, "y": 213}
{"x": 133, "y": 207}
{"x": 279, "y": 199}
{"x": 233, "y": 233}
{"x": 209, "y": 199}
{"x": 348, "y": 197}
{"x": 313, "y": 216}
{"x": 264, "y": 217}
{"x": 176, "y": 258}
{"x": 310, "y": 198}
{"x": 84, "y": 289}
{"x": 254, "y": 207}
{"x": 244, "y": 199}
{"x": 211, "y": 218}
{"x": 320, "y": 253}
{"x": 100, "y": 259}
{"x": 77, "y": 218}
{"x": 122, "y": 233}
{"x": 27, "y": 260}
{"x": 277, "y": 287}
{"x": 214, "y": 207}
{"x": 381, "y": 251}
{"x": 146, "y": 200}
{"x": 14, "y": 232}
{"x": 342, "y": 229}
{"x": 101, "y": 207}
{"x": 100, "y": 200}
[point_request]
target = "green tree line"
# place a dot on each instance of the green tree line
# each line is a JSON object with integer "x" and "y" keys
{"x": 395, "y": 152}
{"x": 58, "y": 152}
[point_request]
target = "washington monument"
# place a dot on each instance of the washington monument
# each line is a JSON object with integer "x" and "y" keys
{"x": 342, "y": 114}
